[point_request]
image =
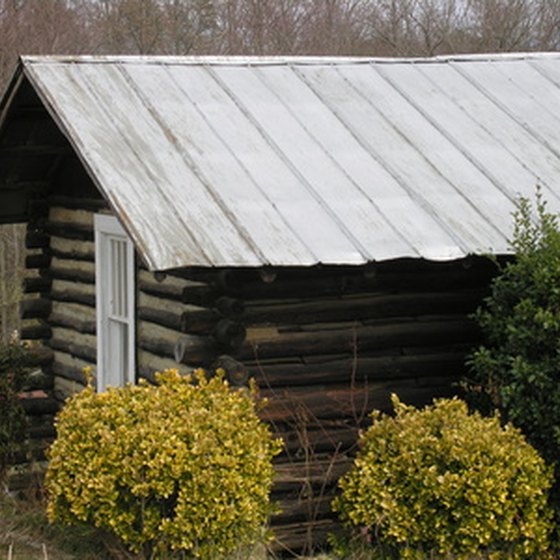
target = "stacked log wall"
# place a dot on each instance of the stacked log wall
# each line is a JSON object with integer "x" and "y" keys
{"x": 328, "y": 345}
{"x": 160, "y": 310}
{"x": 70, "y": 289}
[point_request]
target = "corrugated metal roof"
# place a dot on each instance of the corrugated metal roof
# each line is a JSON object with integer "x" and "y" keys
{"x": 300, "y": 161}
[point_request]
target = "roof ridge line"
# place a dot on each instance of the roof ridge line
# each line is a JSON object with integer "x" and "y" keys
{"x": 276, "y": 60}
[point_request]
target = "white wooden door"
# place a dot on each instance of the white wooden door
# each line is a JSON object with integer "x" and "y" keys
{"x": 114, "y": 283}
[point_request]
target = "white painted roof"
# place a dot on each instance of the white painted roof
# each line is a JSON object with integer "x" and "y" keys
{"x": 299, "y": 161}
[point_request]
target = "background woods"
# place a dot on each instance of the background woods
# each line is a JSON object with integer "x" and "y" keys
{"x": 303, "y": 27}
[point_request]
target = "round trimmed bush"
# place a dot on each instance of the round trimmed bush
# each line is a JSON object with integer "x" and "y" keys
{"x": 184, "y": 465}
{"x": 443, "y": 482}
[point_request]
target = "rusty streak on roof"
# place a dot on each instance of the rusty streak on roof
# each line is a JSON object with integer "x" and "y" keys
{"x": 300, "y": 161}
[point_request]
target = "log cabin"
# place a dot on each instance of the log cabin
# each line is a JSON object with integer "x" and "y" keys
{"x": 320, "y": 224}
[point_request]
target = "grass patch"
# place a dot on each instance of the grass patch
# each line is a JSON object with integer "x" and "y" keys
{"x": 26, "y": 534}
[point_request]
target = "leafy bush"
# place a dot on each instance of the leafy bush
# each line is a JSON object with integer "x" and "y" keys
{"x": 181, "y": 466}
{"x": 442, "y": 482}
{"x": 14, "y": 361}
{"x": 518, "y": 369}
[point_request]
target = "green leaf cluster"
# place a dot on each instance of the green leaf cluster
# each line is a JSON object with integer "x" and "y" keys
{"x": 184, "y": 465}
{"x": 440, "y": 481}
{"x": 518, "y": 368}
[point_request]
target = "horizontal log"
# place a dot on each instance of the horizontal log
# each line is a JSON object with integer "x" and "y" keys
{"x": 36, "y": 331}
{"x": 371, "y": 306}
{"x": 73, "y": 292}
{"x": 169, "y": 287}
{"x": 163, "y": 303}
{"x": 235, "y": 372}
{"x": 69, "y": 367}
{"x": 302, "y": 507}
{"x": 349, "y": 402}
{"x": 309, "y": 473}
{"x": 195, "y": 319}
{"x": 71, "y": 269}
{"x": 329, "y": 281}
{"x": 360, "y": 368}
{"x": 193, "y": 349}
{"x": 319, "y": 439}
{"x": 40, "y": 406}
{"x": 77, "y": 344}
{"x": 69, "y": 231}
{"x": 37, "y": 308}
{"x": 200, "y": 294}
{"x": 229, "y": 334}
{"x": 360, "y": 339}
{"x": 201, "y": 321}
{"x": 71, "y": 216}
{"x": 161, "y": 317}
{"x": 229, "y": 307}
{"x": 72, "y": 248}
{"x": 189, "y": 349}
{"x": 64, "y": 388}
{"x": 36, "y": 284}
{"x": 148, "y": 364}
{"x": 78, "y": 203}
{"x": 40, "y": 260}
{"x": 75, "y": 316}
{"x": 36, "y": 240}
{"x": 40, "y": 356}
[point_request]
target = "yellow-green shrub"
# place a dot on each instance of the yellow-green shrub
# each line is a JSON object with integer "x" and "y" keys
{"x": 440, "y": 481}
{"x": 184, "y": 465}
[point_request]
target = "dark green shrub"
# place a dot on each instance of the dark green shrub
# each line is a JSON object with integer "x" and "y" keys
{"x": 185, "y": 465}
{"x": 518, "y": 368}
{"x": 441, "y": 482}
{"x": 14, "y": 361}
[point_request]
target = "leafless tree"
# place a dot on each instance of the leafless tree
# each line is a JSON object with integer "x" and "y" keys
{"x": 177, "y": 27}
